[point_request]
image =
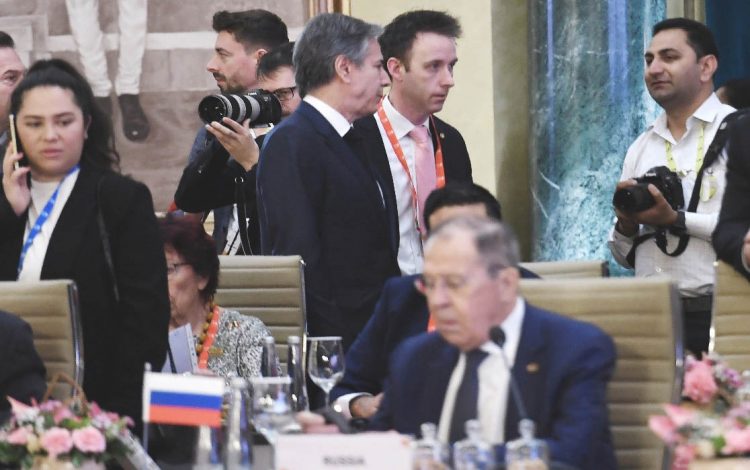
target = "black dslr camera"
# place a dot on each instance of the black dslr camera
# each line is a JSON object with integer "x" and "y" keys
{"x": 637, "y": 198}
{"x": 260, "y": 106}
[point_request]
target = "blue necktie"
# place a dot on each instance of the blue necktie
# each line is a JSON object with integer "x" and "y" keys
{"x": 465, "y": 407}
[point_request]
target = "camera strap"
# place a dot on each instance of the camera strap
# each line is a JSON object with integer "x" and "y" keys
{"x": 239, "y": 197}
{"x": 712, "y": 154}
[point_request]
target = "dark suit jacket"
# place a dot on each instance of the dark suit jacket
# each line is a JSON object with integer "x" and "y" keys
{"x": 401, "y": 312}
{"x": 22, "y": 373}
{"x": 734, "y": 218}
{"x": 565, "y": 394}
{"x": 118, "y": 337}
{"x": 317, "y": 198}
{"x": 209, "y": 183}
{"x": 455, "y": 158}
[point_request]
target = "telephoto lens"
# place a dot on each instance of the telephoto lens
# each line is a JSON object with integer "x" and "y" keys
{"x": 260, "y": 106}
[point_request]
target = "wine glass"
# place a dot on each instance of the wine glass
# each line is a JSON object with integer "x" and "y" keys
{"x": 272, "y": 406}
{"x": 326, "y": 362}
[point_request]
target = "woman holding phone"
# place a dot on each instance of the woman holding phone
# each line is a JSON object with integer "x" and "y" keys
{"x": 66, "y": 213}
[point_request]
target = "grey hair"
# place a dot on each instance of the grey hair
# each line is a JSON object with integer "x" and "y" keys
{"x": 324, "y": 38}
{"x": 494, "y": 241}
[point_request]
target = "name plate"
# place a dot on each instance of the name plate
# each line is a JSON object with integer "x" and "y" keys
{"x": 368, "y": 451}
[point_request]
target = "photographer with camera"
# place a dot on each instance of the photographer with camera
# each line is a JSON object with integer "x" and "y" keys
{"x": 668, "y": 200}
{"x": 224, "y": 146}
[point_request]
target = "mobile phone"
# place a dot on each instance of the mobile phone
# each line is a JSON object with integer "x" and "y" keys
{"x": 13, "y": 144}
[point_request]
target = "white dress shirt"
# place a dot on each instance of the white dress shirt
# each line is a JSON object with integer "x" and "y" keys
{"x": 494, "y": 382}
{"x": 40, "y": 194}
{"x": 693, "y": 269}
{"x": 410, "y": 257}
{"x": 335, "y": 118}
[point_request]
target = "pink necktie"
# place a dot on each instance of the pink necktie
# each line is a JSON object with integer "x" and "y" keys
{"x": 425, "y": 165}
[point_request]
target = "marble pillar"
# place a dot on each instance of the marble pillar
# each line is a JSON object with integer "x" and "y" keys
{"x": 588, "y": 103}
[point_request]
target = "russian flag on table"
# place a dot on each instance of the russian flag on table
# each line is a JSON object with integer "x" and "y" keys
{"x": 190, "y": 400}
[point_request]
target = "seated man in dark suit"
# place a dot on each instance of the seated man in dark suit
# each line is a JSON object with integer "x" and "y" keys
{"x": 562, "y": 366}
{"x": 731, "y": 239}
{"x": 22, "y": 373}
{"x": 402, "y": 310}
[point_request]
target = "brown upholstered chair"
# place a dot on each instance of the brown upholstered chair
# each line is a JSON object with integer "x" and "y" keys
{"x": 730, "y": 326}
{"x": 644, "y": 319}
{"x": 568, "y": 269}
{"x": 271, "y": 288}
{"x": 51, "y": 308}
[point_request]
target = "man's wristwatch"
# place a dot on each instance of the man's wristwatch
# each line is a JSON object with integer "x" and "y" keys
{"x": 678, "y": 227}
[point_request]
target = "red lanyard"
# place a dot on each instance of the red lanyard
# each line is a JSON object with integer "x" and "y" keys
{"x": 208, "y": 341}
{"x": 439, "y": 168}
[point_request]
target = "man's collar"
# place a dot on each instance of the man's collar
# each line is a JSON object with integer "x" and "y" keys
{"x": 335, "y": 118}
{"x": 512, "y": 328}
{"x": 706, "y": 112}
{"x": 401, "y": 125}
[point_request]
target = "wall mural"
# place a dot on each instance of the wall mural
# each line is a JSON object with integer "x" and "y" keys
{"x": 146, "y": 61}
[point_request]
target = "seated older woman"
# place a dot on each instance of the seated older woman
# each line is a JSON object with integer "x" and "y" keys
{"x": 227, "y": 342}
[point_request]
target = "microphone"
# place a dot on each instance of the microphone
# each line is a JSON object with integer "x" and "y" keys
{"x": 497, "y": 335}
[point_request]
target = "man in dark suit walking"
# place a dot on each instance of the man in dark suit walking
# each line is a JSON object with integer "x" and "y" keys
{"x": 411, "y": 148}
{"x": 317, "y": 196}
{"x": 561, "y": 366}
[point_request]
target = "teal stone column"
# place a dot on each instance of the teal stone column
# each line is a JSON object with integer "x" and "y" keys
{"x": 588, "y": 104}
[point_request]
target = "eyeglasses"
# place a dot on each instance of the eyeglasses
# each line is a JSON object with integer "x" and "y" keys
{"x": 172, "y": 268}
{"x": 284, "y": 94}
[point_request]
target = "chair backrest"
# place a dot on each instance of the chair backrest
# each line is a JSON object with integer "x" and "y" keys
{"x": 271, "y": 288}
{"x": 51, "y": 308}
{"x": 568, "y": 269}
{"x": 730, "y": 325}
{"x": 644, "y": 319}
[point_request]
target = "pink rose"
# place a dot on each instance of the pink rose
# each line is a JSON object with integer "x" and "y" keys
{"x": 18, "y": 437}
{"x": 680, "y": 416}
{"x": 700, "y": 385}
{"x": 63, "y": 413}
{"x": 56, "y": 441}
{"x": 663, "y": 427}
{"x": 89, "y": 439}
{"x": 737, "y": 441}
{"x": 683, "y": 455}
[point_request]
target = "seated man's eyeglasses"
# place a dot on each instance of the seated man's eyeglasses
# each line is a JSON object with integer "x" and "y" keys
{"x": 284, "y": 94}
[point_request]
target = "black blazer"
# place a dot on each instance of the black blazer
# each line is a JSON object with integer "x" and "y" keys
{"x": 734, "y": 218}
{"x": 455, "y": 159}
{"x": 118, "y": 337}
{"x": 22, "y": 374}
{"x": 210, "y": 181}
{"x": 317, "y": 198}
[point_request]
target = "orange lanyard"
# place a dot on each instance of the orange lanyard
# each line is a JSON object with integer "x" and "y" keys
{"x": 439, "y": 168}
{"x": 431, "y": 324}
{"x": 208, "y": 341}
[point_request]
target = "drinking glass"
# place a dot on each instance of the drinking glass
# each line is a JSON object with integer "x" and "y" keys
{"x": 326, "y": 362}
{"x": 272, "y": 406}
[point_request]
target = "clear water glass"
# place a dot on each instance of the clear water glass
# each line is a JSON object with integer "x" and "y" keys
{"x": 326, "y": 362}
{"x": 271, "y": 406}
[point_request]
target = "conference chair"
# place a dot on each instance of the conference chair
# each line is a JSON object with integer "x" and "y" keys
{"x": 271, "y": 288}
{"x": 643, "y": 317}
{"x": 568, "y": 269}
{"x": 51, "y": 308}
{"x": 730, "y": 324}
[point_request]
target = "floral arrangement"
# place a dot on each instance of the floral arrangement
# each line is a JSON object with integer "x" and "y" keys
{"x": 52, "y": 430}
{"x": 714, "y": 419}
